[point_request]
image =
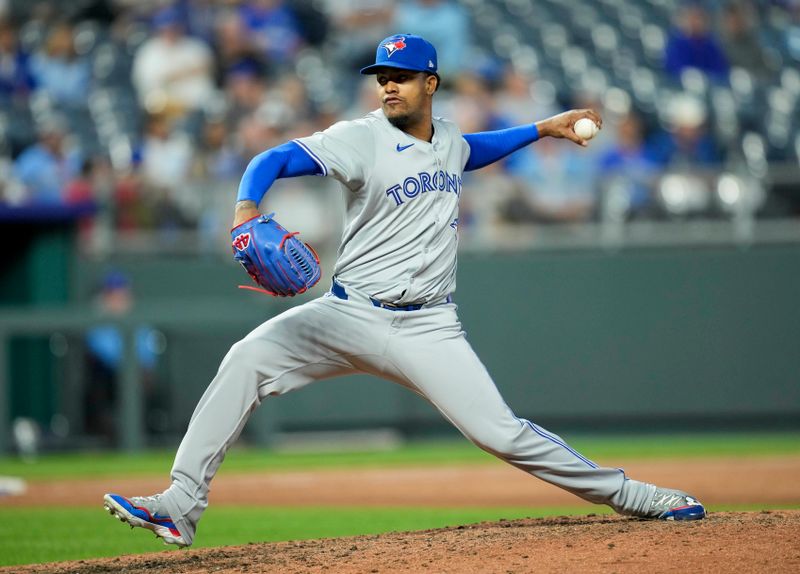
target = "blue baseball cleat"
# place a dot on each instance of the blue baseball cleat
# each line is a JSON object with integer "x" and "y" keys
{"x": 668, "y": 504}
{"x": 144, "y": 512}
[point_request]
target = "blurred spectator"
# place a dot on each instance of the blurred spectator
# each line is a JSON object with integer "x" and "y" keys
{"x": 364, "y": 101}
{"x": 792, "y": 33}
{"x": 273, "y": 28}
{"x": 105, "y": 352}
{"x": 166, "y": 164}
{"x": 92, "y": 185}
{"x": 627, "y": 162}
{"x": 557, "y": 182}
{"x": 59, "y": 71}
{"x": 692, "y": 44}
{"x": 260, "y": 131}
{"x": 254, "y": 137}
{"x": 687, "y": 143}
{"x": 303, "y": 208}
{"x": 12, "y": 192}
{"x": 171, "y": 71}
{"x": 488, "y": 194}
{"x": 476, "y": 107}
{"x": 740, "y": 40}
{"x": 166, "y": 153}
{"x": 131, "y": 210}
{"x": 80, "y": 188}
{"x": 312, "y": 20}
{"x": 45, "y": 167}
{"x": 518, "y": 98}
{"x": 233, "y": 48}
{"x": 443, "y": 23}
{"x": 216, "y": 169}
{"x": 201, "y": 17}
{"x": 16, "y": 78}
{"x": 474, "y": 104}
{"x": 246, "y": 90}
{"x": 298, "y": 111}
{"x": 359, "y": 25}
{"x": 216, "y": 159}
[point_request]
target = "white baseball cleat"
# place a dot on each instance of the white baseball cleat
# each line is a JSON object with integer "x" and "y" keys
{"x": 669, "y": 504}
{"x": 144, "y": 512}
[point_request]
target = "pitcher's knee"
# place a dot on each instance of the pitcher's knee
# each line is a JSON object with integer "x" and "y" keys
{"x": 244, "y": 351}
{"x": 259, "y": 363}
{"x": 245, "y": 362}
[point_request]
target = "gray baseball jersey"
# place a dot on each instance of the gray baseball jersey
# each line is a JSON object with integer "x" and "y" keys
{"x": 398, "y": 247}
{"x": 400, "y": 235}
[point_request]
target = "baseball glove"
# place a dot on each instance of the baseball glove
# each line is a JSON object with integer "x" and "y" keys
{"x": 281, "y": 264}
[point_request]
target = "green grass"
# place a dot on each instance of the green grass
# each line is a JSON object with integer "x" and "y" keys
{"x": 604, "y": 448}
{"x": 57, "y": 534}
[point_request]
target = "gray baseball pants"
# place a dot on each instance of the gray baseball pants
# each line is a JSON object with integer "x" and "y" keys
{"x": 424, "y": 350}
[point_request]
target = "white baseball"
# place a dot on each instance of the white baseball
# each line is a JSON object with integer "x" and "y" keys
{"x": 585, "y": 128}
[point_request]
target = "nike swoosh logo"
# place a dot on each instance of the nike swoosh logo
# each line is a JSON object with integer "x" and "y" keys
{"x": 401, "y": 148}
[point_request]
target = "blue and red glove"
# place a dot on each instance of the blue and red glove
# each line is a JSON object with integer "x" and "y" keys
{"x": 278, "y": 262}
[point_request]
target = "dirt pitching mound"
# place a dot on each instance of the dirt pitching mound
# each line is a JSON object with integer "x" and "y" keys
{"x": 741, "y": 542}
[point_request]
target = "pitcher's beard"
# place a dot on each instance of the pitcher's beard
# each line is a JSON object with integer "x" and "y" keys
{"x": 401, "y": 122}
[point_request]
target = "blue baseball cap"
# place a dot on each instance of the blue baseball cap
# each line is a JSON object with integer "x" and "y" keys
{"x": 406, "y": 52}
{"x": 166, "y": 17}
{"x": 115, "y": 279}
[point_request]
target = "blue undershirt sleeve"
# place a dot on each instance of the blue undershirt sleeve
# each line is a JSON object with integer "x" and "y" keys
{"x": 286, "y": 160}
{"x": 488, "y": 147}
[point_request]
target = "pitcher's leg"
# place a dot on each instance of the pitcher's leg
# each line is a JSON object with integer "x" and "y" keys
{"x": 277, "y": 357}
{"x": 447, "y": 371}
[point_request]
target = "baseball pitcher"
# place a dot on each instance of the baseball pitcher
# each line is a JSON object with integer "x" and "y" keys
{"x": 389, "y": 311}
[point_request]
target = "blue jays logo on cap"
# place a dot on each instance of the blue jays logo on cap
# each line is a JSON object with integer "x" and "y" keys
{"x": 393, "y": 44}
{"x": 406, "y": 52}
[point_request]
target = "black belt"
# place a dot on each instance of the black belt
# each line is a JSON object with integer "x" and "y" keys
{"x": 338, "y": 290}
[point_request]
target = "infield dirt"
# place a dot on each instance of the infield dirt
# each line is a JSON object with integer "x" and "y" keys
{"x": 757, "y": 480}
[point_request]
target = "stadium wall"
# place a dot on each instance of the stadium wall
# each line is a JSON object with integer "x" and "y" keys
{"x": 639, "y": 338}
{"x": 639, "y": 335}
